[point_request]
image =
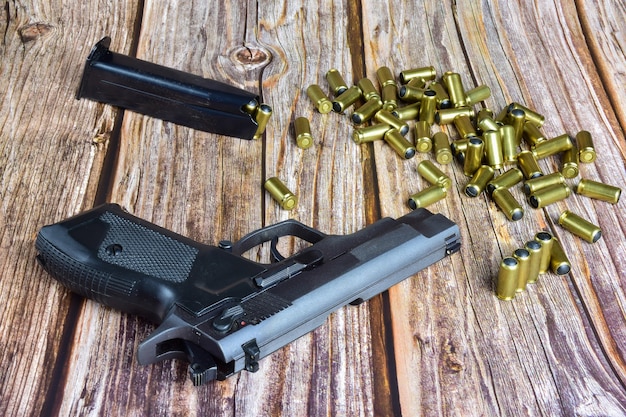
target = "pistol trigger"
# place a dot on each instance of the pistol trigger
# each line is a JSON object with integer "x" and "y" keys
{"x": 202, "y": 366}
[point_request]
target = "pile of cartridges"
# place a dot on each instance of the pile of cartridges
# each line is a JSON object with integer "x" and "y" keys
{"x": 510, "y": 142}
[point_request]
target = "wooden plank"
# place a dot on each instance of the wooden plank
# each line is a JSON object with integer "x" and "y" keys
{"x": 453, "y": 338}
{"x": 52, "y": 149}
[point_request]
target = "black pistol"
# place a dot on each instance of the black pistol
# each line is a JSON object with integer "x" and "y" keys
{"x": 223, "y": 312}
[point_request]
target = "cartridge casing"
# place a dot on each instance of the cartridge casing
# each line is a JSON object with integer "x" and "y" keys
{"x": 549, "y": 195}
{"x": 368, "y": 90}
{"x": 493, "y": 149}
{"x": 547, "y": 241}
{"x": 527, "y": 163}
{"x": 433, "y": 175}
{"x": 530, "y": 115}
{"x": 517, "y": 118}
{"x": 427, "y": 197}
{"x": 422, "y": 73}
{"x": 302, "y": 127}
{"x": 411, "y": 94}
{"x": 408, "y": 112}
{"x": 385, "y": 76}
{"x": 346, "y": 99}
{"x": 505, "y": 201}
{"x": 428, "y": 107}
{"x": 509, "y": 144}
{"x": 366, "y": 111}
{"x": 279, "y": 192}
{"x": 477, "y": 94}
{"x": 464, "y": 126}
{"x": 523, "y": 258}
{"x": 598, "y": 190}
{"x": 559, "y": 264}
{"x": 484, "y": 120}
{"x": 441, "y": 146}
{"x": 423, "y": 142}
{"x": 580, "y": 227}
{"x": 446, "y": 116}
{"x": 533, "y": 185}
{"x": 390, "y": 97}
{"x": 261, "y": 116}
{"x": 569, "y": 168}
{"x": 454, "y": 85}
{"x": 443, "y": 99}
{"x": 552, "y": 146}
{"x": 320, "y": 100}
{"x": 336, "y": 82}
{"x": 534, "y": 248}
{"x": 479, "y": 181}
{"x": 586, "y": 150}
{"x": 370, "y": 133}
{"x": 508, "y": 275}
{"x": 507, "y": 180}
{"x": 473, "y": 156}
{"x": 399, "y": 143}
{"x": 532, "y": 134}
{"x": 384, "y": 116}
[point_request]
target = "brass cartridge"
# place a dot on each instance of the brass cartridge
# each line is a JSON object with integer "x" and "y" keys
{"x": 516, "y": 118}
{"x": 549, "y": 195}
{"x": 464, "y": 126}
{"x": 368, "y": 90}
{"x": 508, "y": 276}
{"x": 346, "y": 99}
{"x": 399, "y": 143}
{"x": 586, "y": 151}
{"x": 336, "y": 82}
{"x": 547, "y": 241}
{"x": 302, "y": 127}
{"x": 441, "y": 146}
{"x": 598, "y": 190}
{"x": 552, "y": 146}
{"x": 530, "y": 115}
{"x": 523, "y": 258}
{"x": 261, "y": 116}
{"x": 427, "y": 197}
{"x": 411, "y": 94}
{"x": 390, "y": 97}
{"x": 447, "y": 116}
{"x": 428, "y": 107}
{"x": 320, "y": 100}
{"x": 366, "y": 111}
{"x": 473, "y": 156}
{"x": 417, "y": 83}
{"x": 443, "y": 99}
{"x": 385, "y": 77}
{"x": 423, "y": 73}
{"x": 384, "y": 116}
{"x": 559, "y": 264}
{"x": 509, "y": 144}
{"x": 250, "y": 107}
{"x": 527, "y": 163}
{"x": 454, "y": 86}
{"x": 423, "y": 142}
{"x": 505, "y": 201}
{"x": 479, "y": 181}
{"x": 532, "y": 134}
{"x": 433, "y": 175}
{"x": 459, "y": 146}
{"x": 493, "y": 149}
{"x": 501, "y": 118}
{"x": 507, "y": 180}
{"x": 533, "y": 185}
{"x": 569, "y": 169}
{"x": 485, "y": 122}
{"x": 534, "y": 248}
{"x": 478, "y": 94}
{"x": 370, "y": 133}
{"x": 408, "y": 112}
{"x": 580, "y": 227}
{"x": 279, "y": 192}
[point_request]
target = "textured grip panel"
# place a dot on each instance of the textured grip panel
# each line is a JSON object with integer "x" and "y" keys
{"x": 79, "y": 278}
{"x": 145, "y": 251}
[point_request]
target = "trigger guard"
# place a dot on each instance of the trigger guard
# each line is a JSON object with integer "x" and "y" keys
{"x": 275, "y": 231}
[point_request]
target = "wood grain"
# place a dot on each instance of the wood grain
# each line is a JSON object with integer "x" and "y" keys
{"x": 439, "y": 343}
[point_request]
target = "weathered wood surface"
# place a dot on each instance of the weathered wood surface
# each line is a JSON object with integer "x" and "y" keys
{"x": 439, "y": 343}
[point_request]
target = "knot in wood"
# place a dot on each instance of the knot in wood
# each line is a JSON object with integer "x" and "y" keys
{"x": 34, "y": 31}
{"x": 251, "y": 56}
